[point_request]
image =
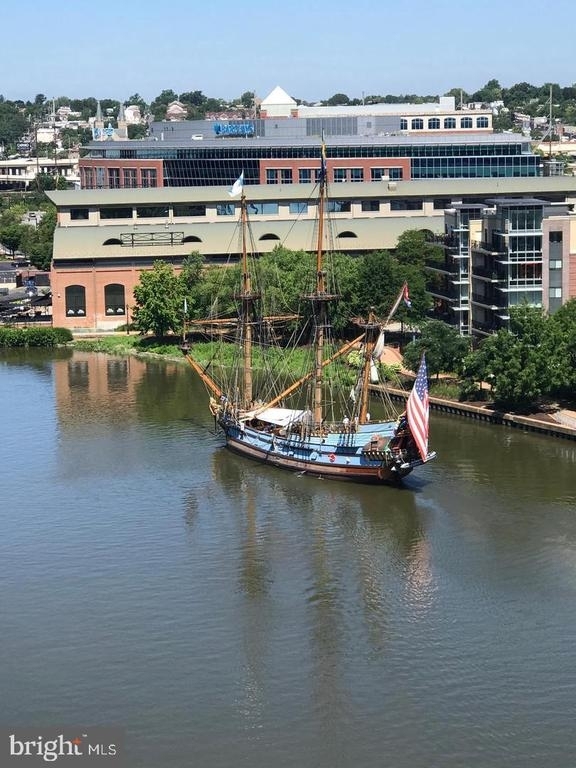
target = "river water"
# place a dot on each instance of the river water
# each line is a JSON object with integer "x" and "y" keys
{"x": 227, "y": 614}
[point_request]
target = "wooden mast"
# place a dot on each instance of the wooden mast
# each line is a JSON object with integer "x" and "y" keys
{"x": 371, "y": 331}
{"x": 320, "y": 297}
{"x": 247, "y": 307}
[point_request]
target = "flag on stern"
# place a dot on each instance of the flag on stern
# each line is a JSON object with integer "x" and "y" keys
{"x": 403, "y": 296}
{"x": 406, "y": 295}
{"x": 238, "y": 186}
{"x": 417, "y": 410}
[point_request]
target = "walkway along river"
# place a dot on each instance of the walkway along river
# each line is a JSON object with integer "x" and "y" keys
{"x": 228, "y": 614}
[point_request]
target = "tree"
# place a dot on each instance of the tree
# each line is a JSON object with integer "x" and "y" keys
{"x": 13, "y": 123}
{"x": 190, "y": 277}
{"x": 38, "y": 242}
{"x": 194, "y": 98}
{"x": 160, "y": 103}
{"x": 516, "y": 361}
{"x": 492, "y": 91}
{"x": 460, "y": 95}
{"x": 444, "y": 347}
{"x": 337, "y": 100}
{"x": 138, "y": 101}
{"x": 247, "y": 99}
{"x": 561, "y": 350}
{"x": 415, "y": 248}
{"x": 159, "y": 301}
{"x": 137, "y": 131}
{"x": 11, "y": 236}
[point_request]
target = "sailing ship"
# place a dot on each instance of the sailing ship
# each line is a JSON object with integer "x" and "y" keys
{"x": 296, "y": 425}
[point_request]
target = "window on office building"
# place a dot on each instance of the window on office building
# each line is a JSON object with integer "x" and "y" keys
{"x": 406, "y": 204}
{"x": 286, "y": 175}
{"x": 78, "y": 214}
{"x": 434, "y": 124}
{"x": 403, "y": 124}
{"x": 339, "y": 174}
{"x": 338, "y": 206}
{"x": 225, "y": 209}
{"x": 271, "y": 176}
{"x": 88, "y": 178}
{"x": 130, "y": 181}
{"x": 259, "y": 209}
{"x": 370, "y": 206}
{"x": 449, "y": 123}
{"x": 114, "y": 300}
{"x": 298, "y": 208}
{"x": 356, "y": 174}
{"x": 152, "y": 212}
{"x": 555, "y": 237}
{"x": 417, "y": 124}
{"x": 305, "y": 175}
{"x": 149, "y": 177}
{"x": 75, "y": 296}
{"x": 189, "y": 210}
{"x": 555, "y": 293}
{"x": 466, "y": 122}
{"x": 114, "y": 178}
{"x": 115, "y": 213}
{"x": 482, "y": 122}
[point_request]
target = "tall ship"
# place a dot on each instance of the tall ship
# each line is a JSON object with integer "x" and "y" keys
{"x": 321, "y": 423}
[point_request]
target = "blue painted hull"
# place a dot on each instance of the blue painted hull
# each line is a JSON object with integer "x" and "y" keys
{"x": 334, "y": 455}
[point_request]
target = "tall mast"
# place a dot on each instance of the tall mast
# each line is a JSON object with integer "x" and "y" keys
{"x": 320, "y": 304}
{"x": 247, "y": 298}
{"x": 320, "y": 296}
{"x": 371, "y": 331}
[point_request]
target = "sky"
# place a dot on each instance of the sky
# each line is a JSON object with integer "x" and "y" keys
{"x": 313, "y": 50}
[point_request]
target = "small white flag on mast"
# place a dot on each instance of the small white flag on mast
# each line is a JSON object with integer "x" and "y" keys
{"x": 238, "y": 186}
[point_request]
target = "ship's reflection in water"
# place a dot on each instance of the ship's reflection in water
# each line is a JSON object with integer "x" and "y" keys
{"x": 321, "y": 563}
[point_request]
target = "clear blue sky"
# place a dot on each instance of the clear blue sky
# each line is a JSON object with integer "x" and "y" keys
{"x": 312, "y": 49}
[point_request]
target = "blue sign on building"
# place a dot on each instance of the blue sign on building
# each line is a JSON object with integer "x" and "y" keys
{"x": 234, "y": 129}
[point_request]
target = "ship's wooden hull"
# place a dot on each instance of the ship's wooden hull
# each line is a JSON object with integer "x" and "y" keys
{"x": 332, "y": 456}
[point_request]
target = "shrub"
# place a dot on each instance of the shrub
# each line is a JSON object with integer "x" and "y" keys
{"x": 34, "y": 337}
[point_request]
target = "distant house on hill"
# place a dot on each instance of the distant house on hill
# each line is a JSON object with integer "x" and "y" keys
{"x": 176, "y": 111}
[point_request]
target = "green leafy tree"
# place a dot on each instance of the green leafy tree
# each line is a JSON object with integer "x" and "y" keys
{"x": 137, "y": 131}
{"x": 160, "y": 103}
{"x": 13, "y": 123}
{"x": 492, "y": 91}
{"x": 445, "y": 349}
{"x": 159, "y": 300}
{"x": 11, "y": 236}
{"x": 194, "y": 98}
{"x": 38, "y": 242}
{"x": 516, "y": 361}
{"x": 561, "y": 349}
{"x": 190, "y": 278}
{"x": 415, "y": 247}
{"x": 138, "y": 101}
{"x": 460, "y": 95}
{"x": 379, "y": 282}
{"x": 337, "y": 100}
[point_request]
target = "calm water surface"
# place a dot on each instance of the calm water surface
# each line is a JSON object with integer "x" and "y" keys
{"x": 227, "y": 614}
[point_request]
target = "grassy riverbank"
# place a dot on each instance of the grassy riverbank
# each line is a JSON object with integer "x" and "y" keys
{"x": 34, "y": 336}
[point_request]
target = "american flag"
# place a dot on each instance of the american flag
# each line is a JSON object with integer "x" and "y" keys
{"x": 417, "y": 410}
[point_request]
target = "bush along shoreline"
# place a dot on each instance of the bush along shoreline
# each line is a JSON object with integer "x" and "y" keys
{"x": 34, "y": 337}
